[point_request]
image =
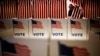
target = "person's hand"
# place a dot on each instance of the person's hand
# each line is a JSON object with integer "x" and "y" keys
{"x": 80, "y": 51}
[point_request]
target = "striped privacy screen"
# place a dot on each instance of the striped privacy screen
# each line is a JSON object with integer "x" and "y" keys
{"x": 45, "y": 8}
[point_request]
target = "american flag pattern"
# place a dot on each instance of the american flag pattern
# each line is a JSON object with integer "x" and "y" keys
{"x": 18, "y": 24}
{"x": 56, "y": 24}
{"x": 14, "y": 49}
{"x": 76, "y": 24}
{"x": 22, "y": 50}
{"x": 65, "y": 50}
{"x": 37, "y": 24}
{"x": 77, "y": 12}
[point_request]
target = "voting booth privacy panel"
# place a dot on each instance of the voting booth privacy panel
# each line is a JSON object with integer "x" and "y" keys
{"x": 26, "y": 36}
{"x": 61, "y": 29}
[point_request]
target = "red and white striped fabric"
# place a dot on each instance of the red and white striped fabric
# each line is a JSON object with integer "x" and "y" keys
{"x": 22, "y": 50}
{"x": 24, "y": 9}
{"x": 80, "y": 51}
{"x": 40, "y": 8}
{"x": 57, "y": 8}
{"x": 8, "y": 54}
{"x": 8, "y": 9}
{"x": 77, "y": 12}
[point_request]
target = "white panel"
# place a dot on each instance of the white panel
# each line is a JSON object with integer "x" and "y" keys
{"x": 40, "y": 30}
{"x": 20, "y": 28}
{"x": 6, "y": 28}
{"x": 79, "y": 30}
{"x": 59, "y": 29}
